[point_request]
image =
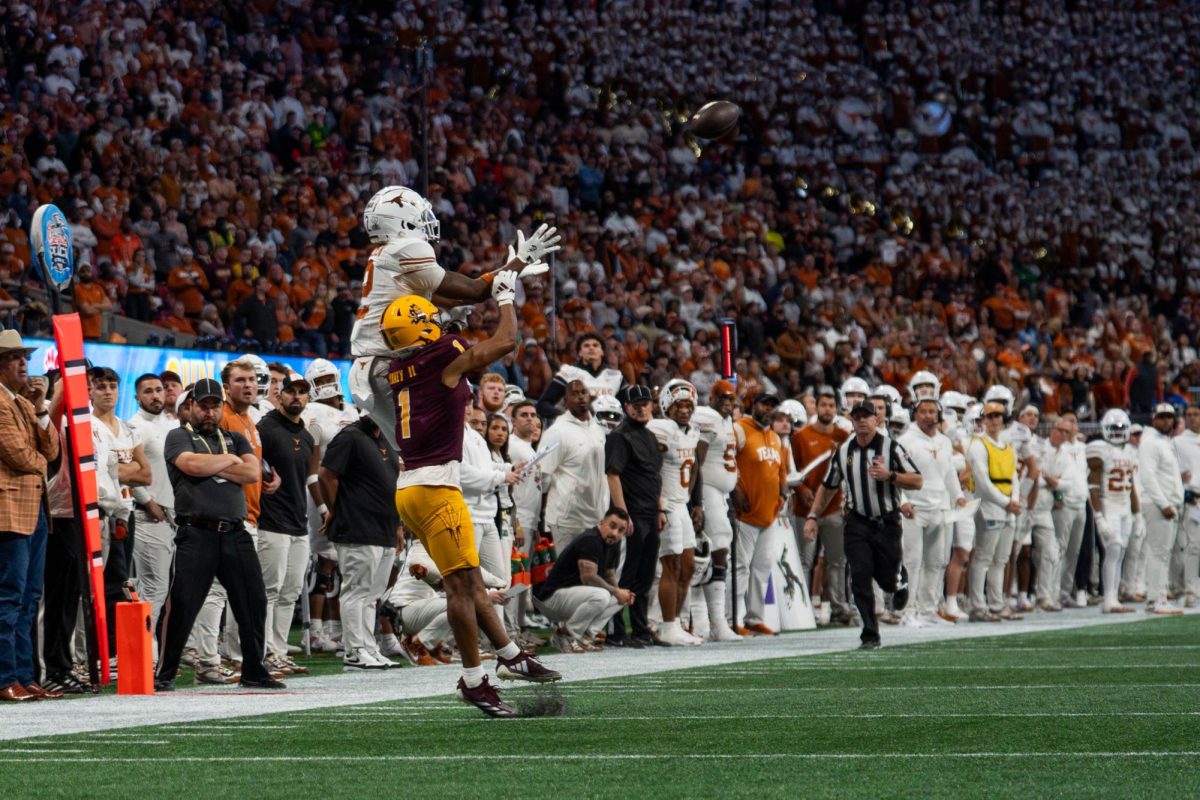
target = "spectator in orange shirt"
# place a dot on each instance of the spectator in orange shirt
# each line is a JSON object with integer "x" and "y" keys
{"x": 189, "y": 283}
{"x": 177, "y": 320}
{"x": 90, "y": 301}
{"x": 286, "y": 318}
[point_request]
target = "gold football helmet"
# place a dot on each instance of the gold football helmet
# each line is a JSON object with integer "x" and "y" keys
{"x": 410, "y": 321}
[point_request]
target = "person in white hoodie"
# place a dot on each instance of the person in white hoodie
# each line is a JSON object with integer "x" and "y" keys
{"x": 573, "y": 463}
{"x": 1067, "y": 481}
{"x": 1162, "y": 479}
{"x": 482, "y": 480}
{"x": 1185, "y": 572}
{"x": 926, "y": 524}
{"x": 994, "y": 473}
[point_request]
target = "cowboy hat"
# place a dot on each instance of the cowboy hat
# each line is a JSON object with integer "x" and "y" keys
{"x": 11, "y": 340}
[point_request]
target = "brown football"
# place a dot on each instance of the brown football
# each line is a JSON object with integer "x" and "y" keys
{"x": 715, "y": 120}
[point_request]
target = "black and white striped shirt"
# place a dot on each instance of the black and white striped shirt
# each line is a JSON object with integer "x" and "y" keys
{"x": 865, "y": 495}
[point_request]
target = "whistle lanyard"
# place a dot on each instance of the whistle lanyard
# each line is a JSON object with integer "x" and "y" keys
{"x": 203, "y": 441}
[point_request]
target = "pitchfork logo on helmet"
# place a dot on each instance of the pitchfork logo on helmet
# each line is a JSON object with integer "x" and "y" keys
{"x": 397, "y": 212}
{"x": 1114, "y": 426}
{"x": 324, "y": 379}
{"x": 410, "y": 322}
{"x": 674, "y": 391}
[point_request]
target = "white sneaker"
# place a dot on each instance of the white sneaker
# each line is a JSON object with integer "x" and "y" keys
{"x": 390, "y": 646}
{"x": 911, "y": 620}
{"x": 319, "y": 644}
{"x": 692, "y": 640}
{"x": 825, "y": 616}
{"x": 1165, "y": 608}
{"x": 671, "y": 633}
{"x": 361, "y": 659}
{"x": 721, "y": 632}
{"x": 385, "y": 661}
{"x": 1081, "y": 599}
{"x": 933, "y": 620}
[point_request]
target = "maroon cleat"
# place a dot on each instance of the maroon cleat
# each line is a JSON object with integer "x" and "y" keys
{"x": 485, "y": 698}
{"x": 524, "y": 667}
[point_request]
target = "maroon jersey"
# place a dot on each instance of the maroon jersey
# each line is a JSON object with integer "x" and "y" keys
{"x": 429, "y": 415}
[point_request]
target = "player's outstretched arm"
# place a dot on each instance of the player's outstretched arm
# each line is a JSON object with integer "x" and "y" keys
{"x": 501, "y": 343}
{"x": 525, "y": 257}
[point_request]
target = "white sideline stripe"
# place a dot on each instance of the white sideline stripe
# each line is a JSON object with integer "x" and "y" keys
{"x": 42, "y": 750}
{"x": 219, "y": 705}
{"x": 308, "y": 759}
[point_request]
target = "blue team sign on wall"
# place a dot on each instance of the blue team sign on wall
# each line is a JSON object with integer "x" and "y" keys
{"x": 50, "y": 239}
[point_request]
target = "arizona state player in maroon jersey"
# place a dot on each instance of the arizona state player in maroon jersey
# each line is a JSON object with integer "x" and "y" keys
{"x": 430, "y": 396}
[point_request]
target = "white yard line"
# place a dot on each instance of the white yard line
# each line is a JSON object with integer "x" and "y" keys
{"x": 109, "y": 712}
{"x": 562, "y": 757}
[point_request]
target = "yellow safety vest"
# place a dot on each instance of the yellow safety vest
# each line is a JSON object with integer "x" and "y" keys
{"x": 1001, "y": 462}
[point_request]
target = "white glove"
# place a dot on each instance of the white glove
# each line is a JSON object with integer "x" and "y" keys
{"x": 540, "y": 244}
{"x": 530, "y": 270}
{"x": 504, "y": 286}
{"x": 1103, "y": 528}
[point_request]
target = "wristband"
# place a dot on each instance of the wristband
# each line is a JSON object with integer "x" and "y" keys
{"x": 322, "y": 509}
{"x": 488, "y": 277}
{"x": 311, "y": 480}
{"x": 811, "y": 515}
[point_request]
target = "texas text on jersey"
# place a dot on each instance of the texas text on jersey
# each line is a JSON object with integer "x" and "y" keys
{"x": 678, "y": 446}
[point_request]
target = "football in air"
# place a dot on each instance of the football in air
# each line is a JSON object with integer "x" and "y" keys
{"x": 715, "y": 120}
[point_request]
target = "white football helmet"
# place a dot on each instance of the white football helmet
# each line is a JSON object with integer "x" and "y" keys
{"x": 608, "y": 411}
{"x": 1114, "y": 426}
{"x": 899, "y": 421}
{"x": 795, "y": 410}
{"x": 397, "y": 212}
{"x": 957, "y": 401}
{"x": 1000, "y": 394}
{"x": 324, "y": 378}
{"x": 702, "y": 571}
{"x": 889, "y": 393}
{"x": 973, "y": 416}
{"x": 853, "y": 385}
{"x": 924, "y": 384}
{"x": 673, "y": 391}
{"x": 262, "y": 375}
{"x": 513, "y": 394}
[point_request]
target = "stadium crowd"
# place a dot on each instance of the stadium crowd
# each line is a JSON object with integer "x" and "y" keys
{"x": 924, "y": 202}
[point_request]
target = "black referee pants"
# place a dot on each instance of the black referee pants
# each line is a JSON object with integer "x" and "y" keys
{"x": 874, "y": 552}
{"x": 641, "y": 558}
{"x": 64, "y": 550}
{"x": 202, "y": 554}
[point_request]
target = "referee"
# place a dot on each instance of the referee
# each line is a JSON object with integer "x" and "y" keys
{"x": 207, "y": 467}
{"x": 873, "y": 469}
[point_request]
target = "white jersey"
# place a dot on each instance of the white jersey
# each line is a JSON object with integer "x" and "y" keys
{"x": 114, "y": 497}
{"x": 1116, "y": 479}
{"x": 679, "y": 459}
{"x": 608, "y": 381}
{"x": 324, "y": 422}
{"x": 1187, "y": 448}
{"x": 719, "y": 469}
{"x": 152, "y": 430}
{"x": 396, "y": 269}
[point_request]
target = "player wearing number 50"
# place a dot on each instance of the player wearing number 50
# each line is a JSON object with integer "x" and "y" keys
{"x": 429, "y": 400}
{"x": 402, "y": 225}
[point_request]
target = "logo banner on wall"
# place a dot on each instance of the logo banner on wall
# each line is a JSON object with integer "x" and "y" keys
{"x": 130, "y": 362}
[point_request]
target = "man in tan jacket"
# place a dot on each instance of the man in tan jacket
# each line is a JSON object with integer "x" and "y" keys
{"x": 27, "y": 443}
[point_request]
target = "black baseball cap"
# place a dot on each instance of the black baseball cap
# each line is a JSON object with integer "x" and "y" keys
{"x": 637, "y": 394}
{"x": 206, "y": 388}
{"x": 767, "y": 397}
{"x": 863, "y": 409}
{"x": 294, "y": 380}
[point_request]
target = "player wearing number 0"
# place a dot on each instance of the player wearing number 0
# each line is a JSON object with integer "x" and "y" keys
{"x": 401, "y": 222}
{"x": 1111, "y": 467}
{"x": 429, "y": 400}
{"x": 677, "y": 441}
{"x": 717, "y": 453}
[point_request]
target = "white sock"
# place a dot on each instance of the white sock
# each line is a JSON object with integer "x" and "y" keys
{"x": 472, "y": 676}
{"x": 509, "y": 651}
{"x": 952, "y": 606}
{"x": 316, "y": 629}
{"x": 335, "y": 629}
{"x": 1023, "y": 598}
{"x": 714, "y": 595}
{"x": 389, "y": 640}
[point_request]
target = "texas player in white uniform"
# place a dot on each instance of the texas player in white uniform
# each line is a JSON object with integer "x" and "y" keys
{"x": 717, "y": 453}
{"x": 677, "y": 440}
{"x": 1112, "y": 464}
{"x": 324, "y": 418}
{"x": 402, "y": 223}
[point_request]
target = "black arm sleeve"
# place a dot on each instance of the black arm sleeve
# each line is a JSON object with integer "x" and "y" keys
{"x": 547, "y": 404}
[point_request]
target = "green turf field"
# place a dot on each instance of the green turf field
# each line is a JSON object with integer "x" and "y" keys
{"x": 1107, "y": 711}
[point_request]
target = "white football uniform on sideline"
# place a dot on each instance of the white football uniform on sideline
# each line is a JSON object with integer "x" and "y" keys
{"x": 719, "y": 472}
{"x": 678, "y": 469}
{"x": 606, "y": 382}
{"x": 1114, "y": 518}
{"x": 398, "y": 268}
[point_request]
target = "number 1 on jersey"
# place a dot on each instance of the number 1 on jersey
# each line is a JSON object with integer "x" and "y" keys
{"x": 402, "y": 401}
